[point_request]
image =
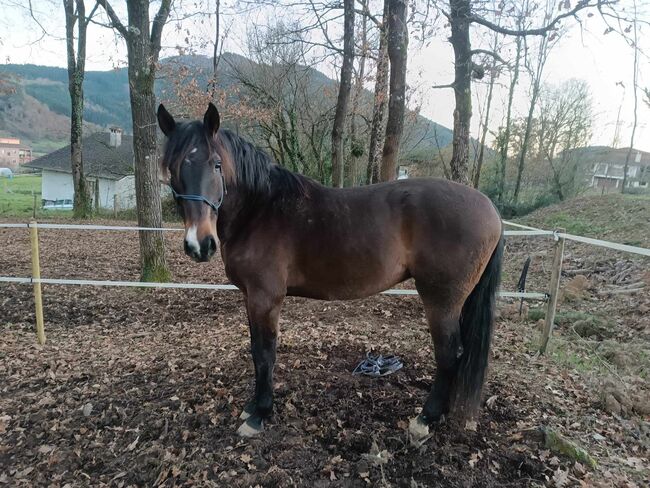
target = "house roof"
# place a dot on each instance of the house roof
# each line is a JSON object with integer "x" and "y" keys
{"x": 611, "y": 155}
{"x": 100, "y": 159}
{"x": 9, "y": 145}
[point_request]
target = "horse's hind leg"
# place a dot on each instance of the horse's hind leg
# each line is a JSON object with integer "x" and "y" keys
{"x": 444, "y": 325}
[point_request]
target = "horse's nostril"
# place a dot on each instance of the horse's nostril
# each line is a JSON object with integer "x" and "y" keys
{"x": 213, "y": 245}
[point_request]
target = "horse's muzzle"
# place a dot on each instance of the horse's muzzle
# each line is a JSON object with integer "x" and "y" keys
{"x": 204, "y": 251}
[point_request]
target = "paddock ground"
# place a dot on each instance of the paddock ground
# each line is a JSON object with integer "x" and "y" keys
{"x": 144, "y": 387}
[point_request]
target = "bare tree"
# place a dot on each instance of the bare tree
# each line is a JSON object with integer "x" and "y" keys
{"x": 345, "y": 85}
{"x": 143, "y": 42}
{"x": 461, "y": 14}
{"x": 397, "y": 53}
{"x": 75, "y": 14}
{"x": 535, "y": 70}
{"x": 635, "y": 91}
{"x": 356, "y": 147}
{"x": 485, "y": 123}
{"x": 505, "y": 139}
{"x": 378, "y": 124}
{"x": 565, "y": 119}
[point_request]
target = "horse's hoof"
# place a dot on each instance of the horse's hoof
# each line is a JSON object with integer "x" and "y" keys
{"x": 251, "y": 427}
{"x": 248, "y": 410}
{"x": 418, "y": 430}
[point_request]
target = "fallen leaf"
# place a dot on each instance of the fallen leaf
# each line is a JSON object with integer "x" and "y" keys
{"x": 131, "y": 446}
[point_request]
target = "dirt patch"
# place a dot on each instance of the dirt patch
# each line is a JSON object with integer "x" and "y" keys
{"x": 143, "y": 388}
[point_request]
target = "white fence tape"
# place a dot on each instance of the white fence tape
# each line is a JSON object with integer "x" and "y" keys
{"x": 611, "y": 245}
{"x": 587, "y": 240}
{"x": 535, "y": 232}
{"x": 507, "y": 222}
{"x": 204, "y": 286}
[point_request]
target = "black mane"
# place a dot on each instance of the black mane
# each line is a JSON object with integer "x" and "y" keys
{"x": 257, "y": 174}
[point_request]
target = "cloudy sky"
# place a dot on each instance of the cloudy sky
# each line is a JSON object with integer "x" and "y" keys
{"x": 584, "y": 53}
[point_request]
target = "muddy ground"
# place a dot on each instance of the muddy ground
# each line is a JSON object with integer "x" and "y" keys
{"x": 144, "y": 388}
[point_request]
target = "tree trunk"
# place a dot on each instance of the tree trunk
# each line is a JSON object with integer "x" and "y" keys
{"x": 82, "y": 206}
{"x": 526, "y": 140}
{"x": 357, "y": 150}
{"x": 345, "y": 86}
{"x": 505, "y": 142}
{"x": 459, "y": 12}
{"x": 143, "y": 56}
{"x": 378, "y": 124}
{"x": 635, "y": 78}
{"x": 544, "y": 49}
{"x": 481, "y": 151}
{"x": 397, "y": 54}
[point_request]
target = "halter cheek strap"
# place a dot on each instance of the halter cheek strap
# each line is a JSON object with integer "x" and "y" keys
{"x": 200, "y": 198}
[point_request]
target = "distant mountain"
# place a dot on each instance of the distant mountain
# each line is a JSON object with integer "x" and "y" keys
{"x": 39, "y": 109}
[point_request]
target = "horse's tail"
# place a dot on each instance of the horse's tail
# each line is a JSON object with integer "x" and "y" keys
{"x": 476, "y": 324}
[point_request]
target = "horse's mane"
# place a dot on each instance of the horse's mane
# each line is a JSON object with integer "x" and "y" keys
{"x": 249, "y": 168}
{"x": 256, "y": 173}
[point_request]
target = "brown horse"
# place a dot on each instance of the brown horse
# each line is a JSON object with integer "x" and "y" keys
{"x": 282, "y": 234}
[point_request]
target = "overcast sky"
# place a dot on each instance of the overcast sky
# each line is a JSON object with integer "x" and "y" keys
{"x": 584, "y": 53}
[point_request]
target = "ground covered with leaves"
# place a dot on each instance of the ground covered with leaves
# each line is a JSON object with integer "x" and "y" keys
{"x": 144, "y": 387}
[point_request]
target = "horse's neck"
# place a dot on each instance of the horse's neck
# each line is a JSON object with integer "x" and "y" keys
{"x": 234, "y": 213}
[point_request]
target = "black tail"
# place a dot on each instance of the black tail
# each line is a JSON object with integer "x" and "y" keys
{"x": 476, "y": 332}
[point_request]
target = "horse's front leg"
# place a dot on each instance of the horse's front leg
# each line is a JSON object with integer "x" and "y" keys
{"x": 263, "y": 313}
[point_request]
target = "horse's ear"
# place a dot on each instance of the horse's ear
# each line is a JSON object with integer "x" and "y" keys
{"x": 211, "y": 120}
{"x": 165, "y": 120}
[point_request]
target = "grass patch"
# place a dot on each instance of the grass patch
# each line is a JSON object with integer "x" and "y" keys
{"x": 574, "y": 224}
{"x": 17, "y": 196}
{"x": 570, "y": 355}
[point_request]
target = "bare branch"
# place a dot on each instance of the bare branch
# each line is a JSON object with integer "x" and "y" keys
{"x": 540, "y": 31}
{"x": 116, "y": 23}
{"x": 158, "y": 24}
{"x": 488, "y": 53}
{"x": 366, "y": 11}
{"x": 450, "y": 85}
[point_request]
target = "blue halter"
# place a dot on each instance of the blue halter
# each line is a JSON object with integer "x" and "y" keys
{"x": 200, "y": 198}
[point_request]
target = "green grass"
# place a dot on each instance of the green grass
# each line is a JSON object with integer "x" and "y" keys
{"x": 17, "y": 198}
{"x": 574, "y": 224}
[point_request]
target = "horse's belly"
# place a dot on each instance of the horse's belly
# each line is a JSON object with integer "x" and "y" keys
{"x": 347, "y": 285}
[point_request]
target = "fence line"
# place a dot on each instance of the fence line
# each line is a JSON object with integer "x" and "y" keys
{"x": 205, "y": 286}
{"x": 529, "y": 231}
{"x": 551, "y": 296}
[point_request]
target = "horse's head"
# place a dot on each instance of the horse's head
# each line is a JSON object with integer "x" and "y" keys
{"x": 193, "y": 165}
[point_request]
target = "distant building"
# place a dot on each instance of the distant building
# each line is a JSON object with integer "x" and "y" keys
{"x": 108, "y": 167}
{"x": 608, "y": 165}
{"x": 13, "y": 154}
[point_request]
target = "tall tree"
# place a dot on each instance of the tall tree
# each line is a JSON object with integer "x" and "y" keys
{"x": 143, "y": 39}
{"x": 565, "y": 118}
{"x": 356, "y": 146}
{"x": 476, "y": 177}
{"x": 535, "y": 70}
{"x": 378, "y": 124}
{"x": 505, "y": 139}
{"x": 635, "y": 94}
{"x": 75, "y": 14}
{"x": 345, "y": 85}
{"x": 461, "y": 14}
{"x": 397, "y": 54}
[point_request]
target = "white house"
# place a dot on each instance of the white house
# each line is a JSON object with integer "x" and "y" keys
{"x": 108, "y": 166}
{"x": 608, "y": 165}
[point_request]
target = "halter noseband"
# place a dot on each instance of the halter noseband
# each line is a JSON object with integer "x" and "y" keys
{"x": 200, "y": 198}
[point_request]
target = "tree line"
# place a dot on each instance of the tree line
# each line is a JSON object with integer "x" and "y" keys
{"x": 340, "y": 136}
